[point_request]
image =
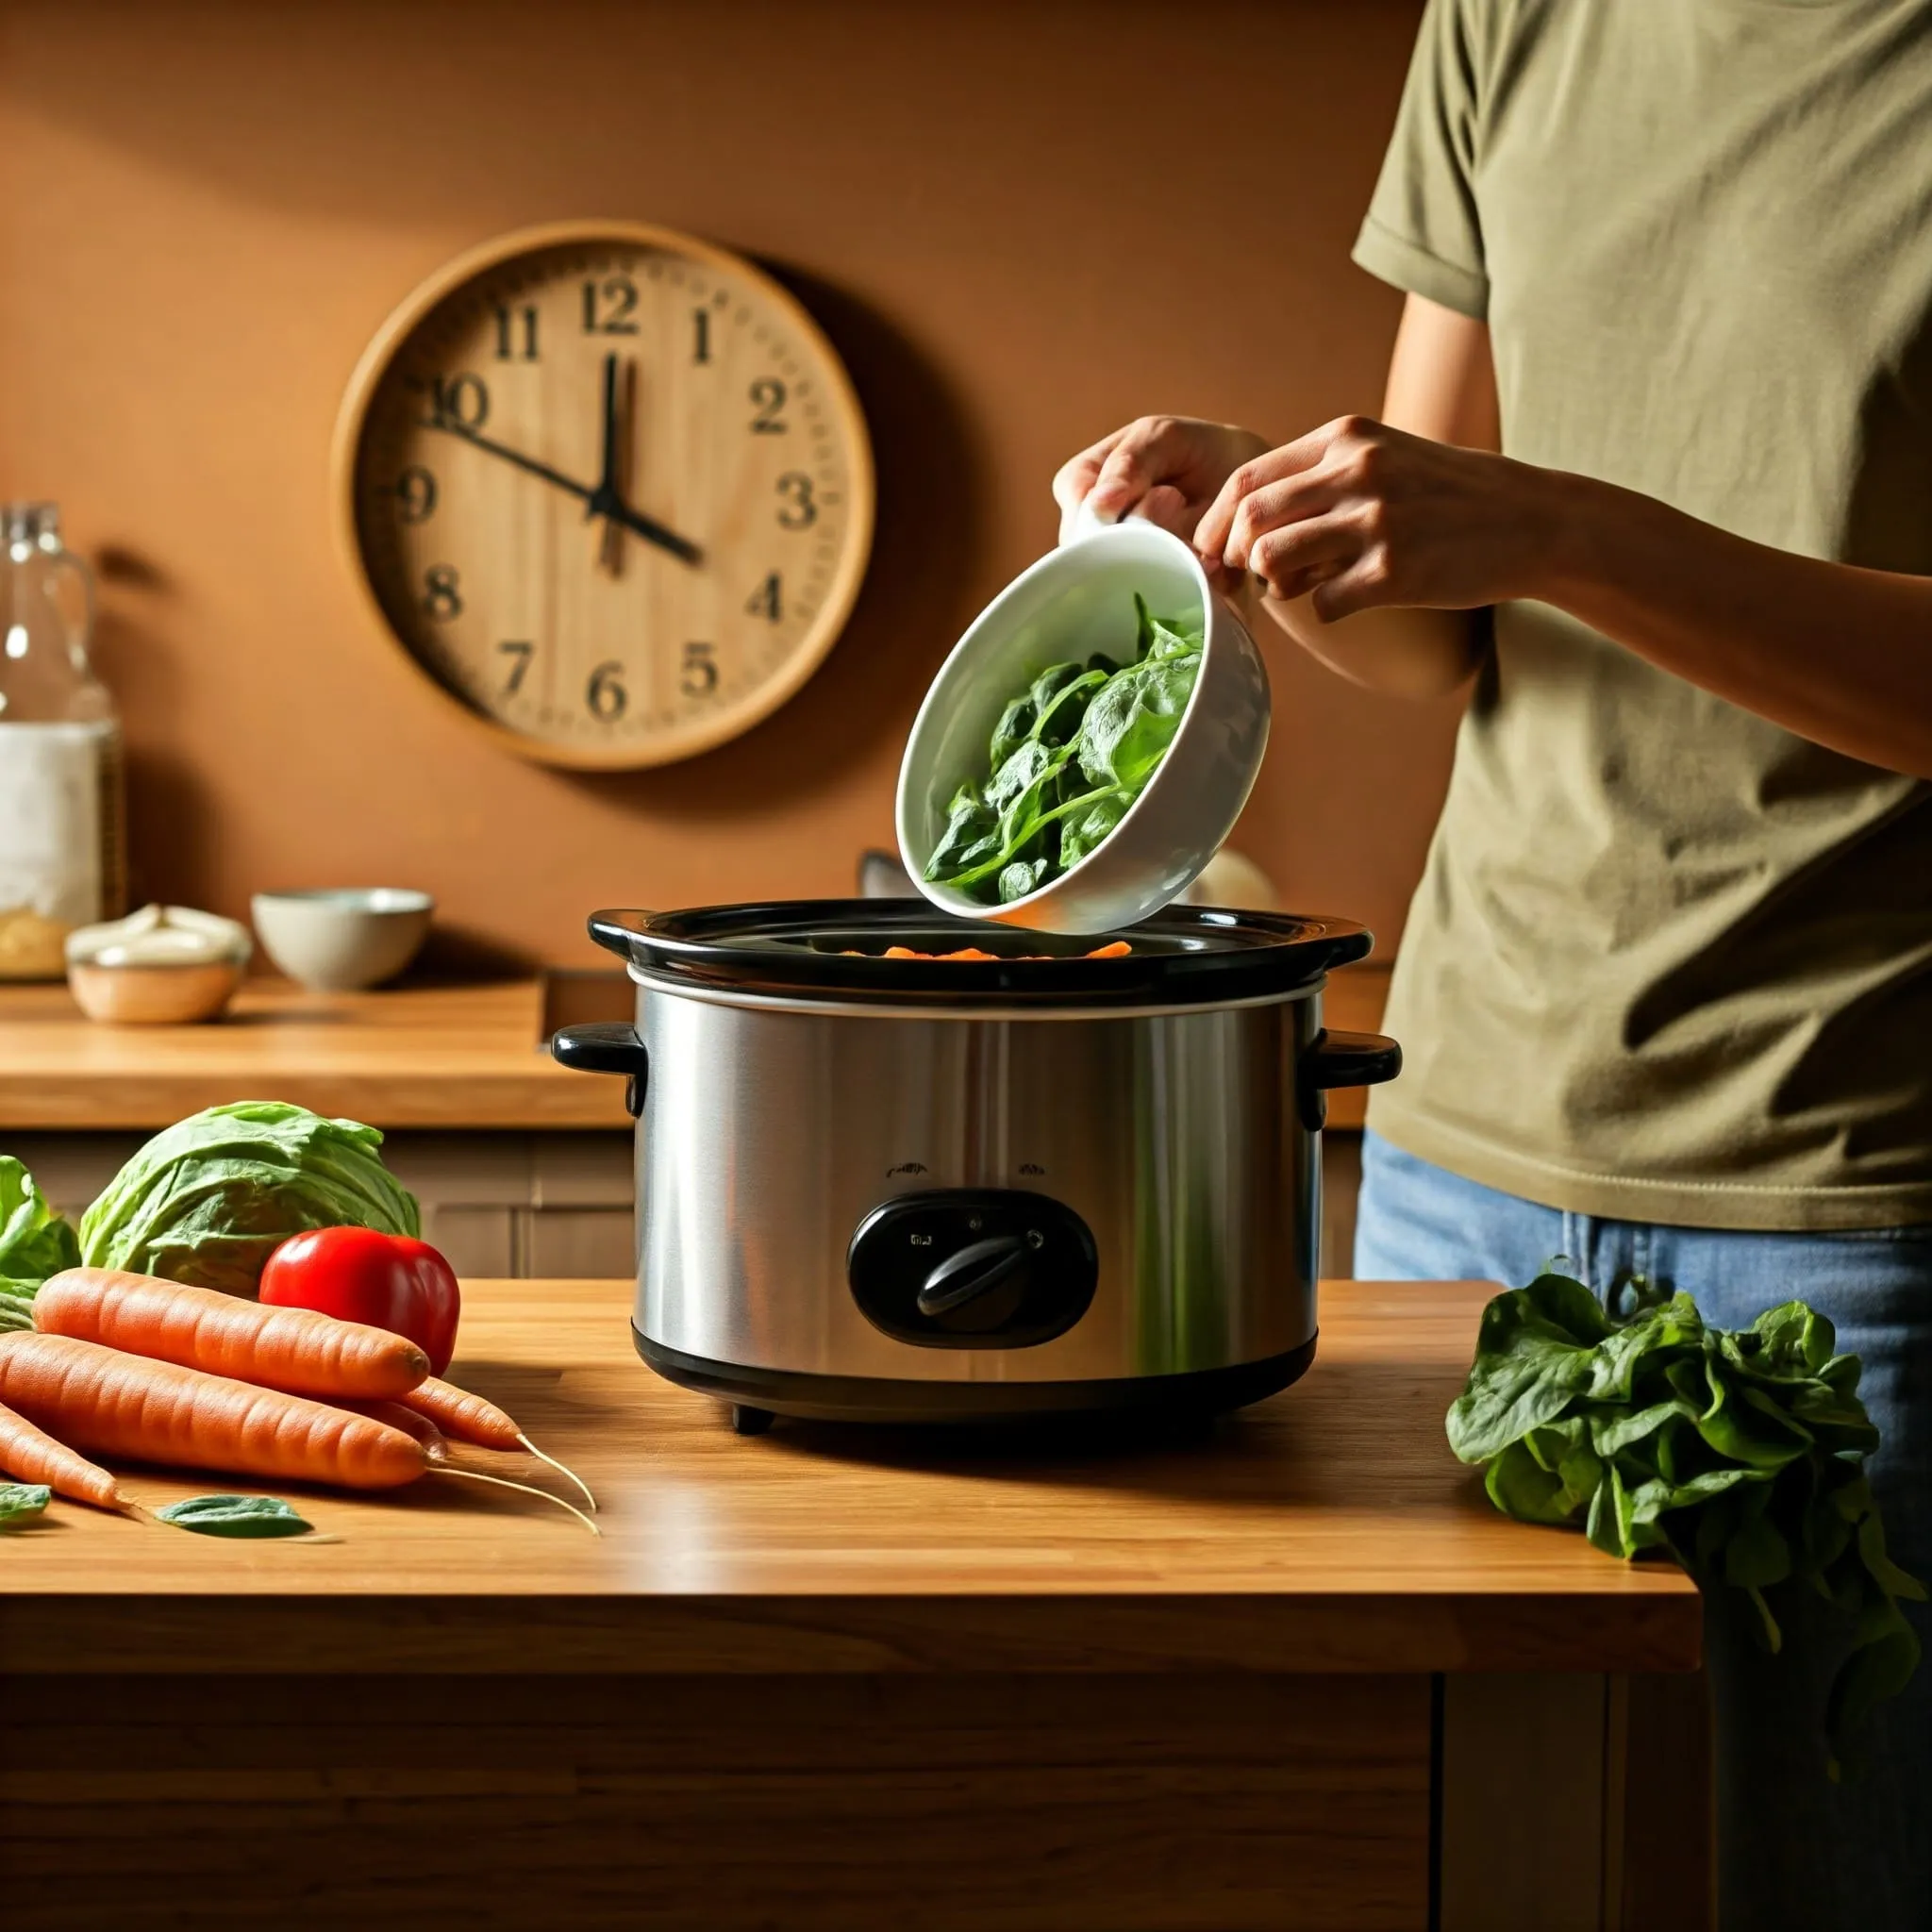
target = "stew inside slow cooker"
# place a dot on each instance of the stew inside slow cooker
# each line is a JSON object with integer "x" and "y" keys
{"x": 1117, "y": 949}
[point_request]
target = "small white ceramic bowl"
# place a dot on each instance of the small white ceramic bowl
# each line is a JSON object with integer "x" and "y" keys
{"x": 1074, "y": 601}
{"x": 343, "y": 938}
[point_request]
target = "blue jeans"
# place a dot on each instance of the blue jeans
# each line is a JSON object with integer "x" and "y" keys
{"x": 1794, "y": 1850}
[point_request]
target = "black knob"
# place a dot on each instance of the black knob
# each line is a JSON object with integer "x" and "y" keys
{"x": 966, "y": 1276}
{"x": 973, "y": 1268}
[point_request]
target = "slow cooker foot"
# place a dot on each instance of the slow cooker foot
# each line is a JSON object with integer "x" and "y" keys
{"x": 747, "y": 1421}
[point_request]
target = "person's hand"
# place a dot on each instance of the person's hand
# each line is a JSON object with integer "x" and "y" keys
{"x": 1164, "y": 468}
{"x": 1361, "y": 514}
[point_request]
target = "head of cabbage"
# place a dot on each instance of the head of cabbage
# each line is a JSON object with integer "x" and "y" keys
{"x": 207, "y": 1200}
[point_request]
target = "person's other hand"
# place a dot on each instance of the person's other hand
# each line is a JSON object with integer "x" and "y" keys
{"x": 1361, "y": 514}
{"x": 1164, "y": 468}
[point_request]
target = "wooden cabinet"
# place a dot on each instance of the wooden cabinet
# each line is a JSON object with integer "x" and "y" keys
{"x": 496, "y": 1204}
{"x": 546, "y": 1204}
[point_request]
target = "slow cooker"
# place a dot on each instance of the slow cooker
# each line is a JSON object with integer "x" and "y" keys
{"x": 876, "y": 1186}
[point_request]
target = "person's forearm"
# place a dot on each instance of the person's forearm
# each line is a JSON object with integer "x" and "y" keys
{"x": 1839, "y": 655}
{"x": 1403, "y": 651}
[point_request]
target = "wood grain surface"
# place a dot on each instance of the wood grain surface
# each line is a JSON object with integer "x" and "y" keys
{"x": 406, "y": 1057}
{"x": 1327, "y": 1529}
{"x": 952, "y": 1803}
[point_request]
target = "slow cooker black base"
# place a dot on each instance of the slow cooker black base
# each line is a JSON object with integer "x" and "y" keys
{"x": 884, "y": 1399}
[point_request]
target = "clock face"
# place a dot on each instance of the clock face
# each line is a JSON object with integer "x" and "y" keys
{"x": 609, "y": 489}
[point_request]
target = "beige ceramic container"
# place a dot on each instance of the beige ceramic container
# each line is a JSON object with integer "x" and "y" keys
{"x": 341, "y": 938}
{"x": 164, "y": 965}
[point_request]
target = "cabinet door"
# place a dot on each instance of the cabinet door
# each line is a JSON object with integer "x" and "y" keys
{"x": 578, "y": 1242}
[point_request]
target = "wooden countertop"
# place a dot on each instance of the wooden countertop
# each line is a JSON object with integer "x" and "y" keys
{"x": 1327, "y": 1529}
{"x": 452, "y": 1056}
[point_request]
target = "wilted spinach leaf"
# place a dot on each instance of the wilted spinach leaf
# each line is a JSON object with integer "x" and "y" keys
{"x": 236, "y": 1516}
{"x": 22, "y": 1502}
{"x": 1068, "y": 758}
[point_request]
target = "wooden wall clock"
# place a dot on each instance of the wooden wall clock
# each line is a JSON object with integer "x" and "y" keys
{"x": 610, "y": 490}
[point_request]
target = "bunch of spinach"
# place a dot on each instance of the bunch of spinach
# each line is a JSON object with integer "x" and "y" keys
{"x": 35, "y": 1242}
{"x": 1740, "y": 1453}
{"x": 1069, "y": 756}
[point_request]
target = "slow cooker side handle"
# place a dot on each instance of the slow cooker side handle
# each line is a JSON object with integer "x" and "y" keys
{"x": 605, "y": 1046}
{"x": 1342, "y": 1059}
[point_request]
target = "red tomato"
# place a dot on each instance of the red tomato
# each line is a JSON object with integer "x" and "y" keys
{"x": 357, "y": 1274}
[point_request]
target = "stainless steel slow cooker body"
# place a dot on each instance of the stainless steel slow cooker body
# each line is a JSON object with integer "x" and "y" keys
{"x": 914, "y": 1188}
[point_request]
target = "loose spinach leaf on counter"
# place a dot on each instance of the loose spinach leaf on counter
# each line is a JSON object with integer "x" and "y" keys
{"x": 1068, "y": 758}
{"x": 22, "y": 1502}
{"x": 1738, "y": 1451}
{"x": 236, "y": 1516}
{"x": 35, "y": 1242}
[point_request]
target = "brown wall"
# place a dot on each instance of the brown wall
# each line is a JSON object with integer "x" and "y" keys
{"x": 1020, "y": 223}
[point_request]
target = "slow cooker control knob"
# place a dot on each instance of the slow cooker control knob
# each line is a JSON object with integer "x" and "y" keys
{"x": 972, "y": 1267}
{"x": 971, "y": 1273}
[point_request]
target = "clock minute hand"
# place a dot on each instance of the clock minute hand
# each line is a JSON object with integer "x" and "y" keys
{"x": 608, "y": 481}
{"x": 651, "y": 532}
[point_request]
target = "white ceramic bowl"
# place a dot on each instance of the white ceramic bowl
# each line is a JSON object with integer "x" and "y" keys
{"x": 343, "y": 938}
{"x": 1078, "y": 600}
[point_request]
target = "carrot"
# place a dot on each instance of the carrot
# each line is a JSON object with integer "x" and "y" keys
{"x": 468, "y": 1417}
{"x": 127, "y": 1405}
{"x": 471, "y": 1418}
{"x": 1118, "y": 949}
{"x": 434, "y": 1444}
{"x": 31, "y": 1456}
{"x": 293, "y": 1350}
{"x": 99, "y": 1399}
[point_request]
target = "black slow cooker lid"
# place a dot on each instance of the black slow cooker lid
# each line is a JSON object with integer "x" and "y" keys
{"x": 832, "y": 950}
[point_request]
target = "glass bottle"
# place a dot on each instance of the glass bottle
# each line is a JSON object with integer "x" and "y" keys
{"x": 62, "y": 834}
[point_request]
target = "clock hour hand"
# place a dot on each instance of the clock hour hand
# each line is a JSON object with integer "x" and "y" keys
{"x": 648, "y": 528}
{"x": 600, "y": 506}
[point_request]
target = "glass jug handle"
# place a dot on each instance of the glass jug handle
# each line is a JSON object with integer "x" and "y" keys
{"x": 78, "y": 636}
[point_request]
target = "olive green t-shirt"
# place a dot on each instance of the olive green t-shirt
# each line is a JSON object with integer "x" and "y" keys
{"x": 1669, "y": 961}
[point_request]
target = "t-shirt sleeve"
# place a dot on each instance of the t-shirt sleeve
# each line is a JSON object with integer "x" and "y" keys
{"x": 1423, "y": 231}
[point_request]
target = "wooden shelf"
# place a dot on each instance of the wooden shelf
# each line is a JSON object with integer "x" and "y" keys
{"x": 411, "y": 1056}
{"x": 452, "y": 1056}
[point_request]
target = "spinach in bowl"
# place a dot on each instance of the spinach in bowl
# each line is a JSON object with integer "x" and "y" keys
{"x": 1068, "y": 758}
